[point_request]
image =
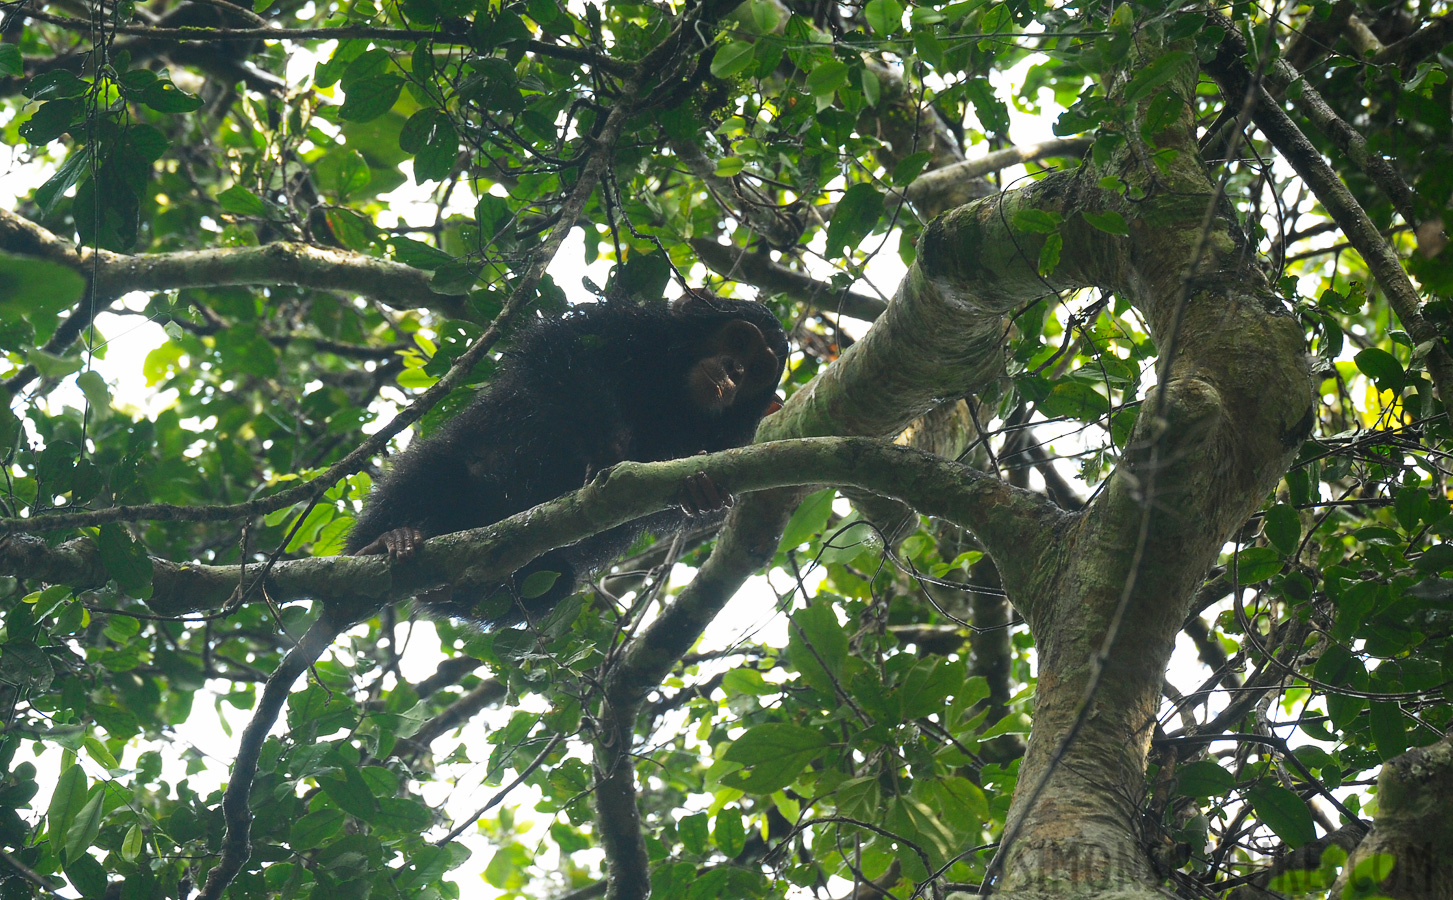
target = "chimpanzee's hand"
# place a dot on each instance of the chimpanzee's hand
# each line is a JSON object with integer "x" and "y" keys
{"x": 400, "y": 544}
{"x": 700, "y": 495}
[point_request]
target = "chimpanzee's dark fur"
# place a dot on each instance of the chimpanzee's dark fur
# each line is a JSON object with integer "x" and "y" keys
{"x": 604, "y": 383}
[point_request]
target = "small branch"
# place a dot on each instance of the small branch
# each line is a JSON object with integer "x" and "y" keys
{"x": 236, "y": 812}
{"x": 1362, "y": 38}
{"x": 487, "y": 692}
{"x": 1348, "y": 213}
{"x": 352, "y": 32}
{"x": 759, "y": 270}
{"x": 1428, "y": 40}
{"x": 503, "y": 792}
{"x": 1346, "y": 138}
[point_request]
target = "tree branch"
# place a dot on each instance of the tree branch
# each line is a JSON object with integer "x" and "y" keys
{"x": 1229, "y": 70}
{"x": 236, "y": 811}
{"x": 351, "y": 32}
{"x": 281, "y": 263}
{"x": 523, "y": 292}
{"x": 759, "y": 270}
{"x": 1007, "y": 520}
{"x": 938, "y": 180}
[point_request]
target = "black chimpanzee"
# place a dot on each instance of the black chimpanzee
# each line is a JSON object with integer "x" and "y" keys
{"x": 604, "y": 383}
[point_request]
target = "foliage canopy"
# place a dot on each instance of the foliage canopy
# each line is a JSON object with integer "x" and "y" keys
{"x": 338, "y": 211}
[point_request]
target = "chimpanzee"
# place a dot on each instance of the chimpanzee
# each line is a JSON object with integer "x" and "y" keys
{"x": 604, "y": 383}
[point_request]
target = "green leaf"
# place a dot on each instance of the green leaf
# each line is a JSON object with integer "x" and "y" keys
{"x": 316, "y": 828}
{"x": 732, "y": 59}
{"x": 57, "y": 84}
{"x": 67, "y": 799}
{"x": 884, "y": 16}
{"x": 729, "y": 835}
{"x": 348, "y": 789}
{"x": 1076, "y": 400}
{"x": 857, "y": 214}
{"x": 97, "y": 750}
{"x": 238, "y": 200}
{"x": 826, "y": 78}
{"x": 644, "y": 275}
{"x": 1165, "y": 107}
{"x": 36, "y": 289}
{"x": 82, "y": 833}
{"x": 1038, "y": 221}
{"x": 1049, "y": 254}
{"x": 747, "y": 681}
{"x": 1109, "y": 221}
{"x": 729, "y": 166}
{"x": 1338, "y": 666}
{"x": 765, "y": 15}
{"x": 1283, "y": 528}
{"x": 418, "y": 254}
{"x": 371, "y": 97}
{"x": 926, "y": 42}
{"x": 927, "y": 685}
{"x": 538, "y": 584}
{"x": 809, "y": 519}
{"x": 1203, "y": 779}
{"x": 1438, "y": 590}
{"x": 165, "y": 97}
{"x": 1388, "y": 730}
{"x": 10, "y": 60}
{"x": 346, "y": 171}
{"x": 70, "y": 172}
{"x": 363, "y": 66}
{"x": 1411, "y": 506}
{"x": 872, "y": 87}
{"x": 132, "y": 844}
{"x": 436, "y": 160}
{"x": 326, "y": 74}
{"x": 774, "y": 752}
{"x": 1184, "y": 25}
{"x": 86, "y": 875}
{"x": 817, "y": 645}
{"x": 1382, "y": 367}
{"x": 1156, "y": 74}
{"x": 1283, "y": 812}
{"x": 51, "y": 120}
{"x": 692, "y": 830}
{"x": 1370, "y": 870}
{"x": 126, "y": 560}
{"x": 1256, "y": 564}
{"x": 911, "y": 166}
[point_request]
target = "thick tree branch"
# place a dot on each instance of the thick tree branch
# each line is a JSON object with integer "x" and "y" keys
{"x": 281, "y": 263}
{"x": 1007, "y": 520}
{"x": 930, "y": 184}
{"x": 1412, "y": 827}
